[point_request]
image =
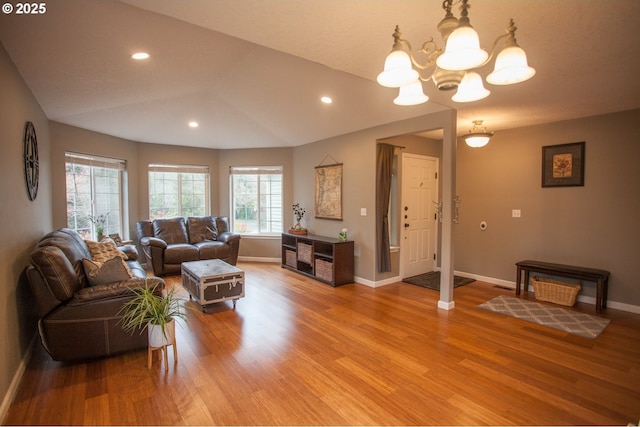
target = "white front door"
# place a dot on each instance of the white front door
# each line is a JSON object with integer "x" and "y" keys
{"x": 418, "y": 214}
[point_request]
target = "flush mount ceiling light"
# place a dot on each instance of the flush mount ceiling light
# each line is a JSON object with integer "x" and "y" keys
{"x": 140, "y": 55}
{"x": 326, "y": 100}
{"x": 454, "y": 66}
{"x": 478, "y": 135}
{"x": 193, "y": 124}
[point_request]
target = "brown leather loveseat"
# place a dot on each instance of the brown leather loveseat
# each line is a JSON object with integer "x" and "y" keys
{"x": 168, "y": 242}
{"x": 79, "y": 301}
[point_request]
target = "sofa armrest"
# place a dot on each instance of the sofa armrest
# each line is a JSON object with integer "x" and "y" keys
{"x": 114, "y": 290}
{"x": 151, "y": 245}
{"x": 233, "y": 240}
{"x": 153, "y": 241}
{"x": 228, "y": 237}
{"x": 130, "y": 251}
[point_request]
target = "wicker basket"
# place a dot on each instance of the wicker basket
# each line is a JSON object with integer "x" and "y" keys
{"x": 290, "y": 257}
{"x": 324, "y": 270}
{"x": 555, "y": 291}
{"x": 304, "y": 252}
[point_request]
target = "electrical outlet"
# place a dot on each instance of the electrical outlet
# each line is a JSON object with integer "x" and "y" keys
{"x": 515, "y": 213}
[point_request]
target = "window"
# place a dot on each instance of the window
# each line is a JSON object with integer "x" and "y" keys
{"x": 94, "y": 194}
{"x": 256, "y": 199}
{"x": 178, "y": 190}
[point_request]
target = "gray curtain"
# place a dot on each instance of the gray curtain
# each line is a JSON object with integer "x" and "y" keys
{"x": 384, "y": 169}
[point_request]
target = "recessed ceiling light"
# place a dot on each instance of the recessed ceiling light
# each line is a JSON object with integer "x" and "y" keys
{"x": 140, "y": 55}
{"x": 326, "y": 100}
{"x": 193, "y": 124}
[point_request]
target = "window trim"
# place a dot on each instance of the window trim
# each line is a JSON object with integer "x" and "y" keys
{"x": 91, "y": 160}
{"x": 179, "y": 169}
{"x": 254, "y": 170}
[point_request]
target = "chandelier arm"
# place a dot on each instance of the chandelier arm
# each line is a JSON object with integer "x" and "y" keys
{"x": 510, "y": 33}
{"x": 424, "y": 49}
{"x": 492, "y": 53}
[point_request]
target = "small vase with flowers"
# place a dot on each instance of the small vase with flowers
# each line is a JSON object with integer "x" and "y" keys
{"x": 298, "y": 212}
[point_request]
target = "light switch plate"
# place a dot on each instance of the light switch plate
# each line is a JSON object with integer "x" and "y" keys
{"x": 363, "y": 211}
{"x": 515, "y": 213}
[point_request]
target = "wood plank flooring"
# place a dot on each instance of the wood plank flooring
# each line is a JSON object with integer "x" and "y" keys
{"x": 299, "y": 352}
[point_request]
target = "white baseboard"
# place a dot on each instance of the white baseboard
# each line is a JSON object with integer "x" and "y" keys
{"x": 446, "y": 305}
{"x": 500, "y": 282}
{"x": 259, "y": 259}
{"x": 17, "y": 378}
{"x": 377, "y": 284}
{"x": 581, "y": 298}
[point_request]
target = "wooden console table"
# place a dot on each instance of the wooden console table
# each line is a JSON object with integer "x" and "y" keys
{"x": 325, "y": 259}
{"x": 601, "y": 277}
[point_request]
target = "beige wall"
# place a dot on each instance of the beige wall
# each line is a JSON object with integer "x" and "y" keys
{"x": 69, "y": 138}
{"x": 597, "y": 225}
{"x": 357, "y": 153}
{"x": 171, "y": 154}
{"x": 24, "y": 222}
{"x": 258, "y": 247}
{"x": 139, "y": 155}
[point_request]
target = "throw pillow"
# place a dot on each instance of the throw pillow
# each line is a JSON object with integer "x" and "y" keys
{"x": 104, "y": 250}
{"x": 101, "y": 273}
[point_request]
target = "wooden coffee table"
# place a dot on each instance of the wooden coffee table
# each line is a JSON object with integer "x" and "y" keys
{"x": 211, "y": 281}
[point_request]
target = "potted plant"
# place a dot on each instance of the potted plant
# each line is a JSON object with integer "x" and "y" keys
{"x": 156, "y": 313}
{"x": 99, "y": 221}
{"x": 299, "y": 212}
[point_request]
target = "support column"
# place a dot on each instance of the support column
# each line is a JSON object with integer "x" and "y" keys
{"x": 448, "y": 193}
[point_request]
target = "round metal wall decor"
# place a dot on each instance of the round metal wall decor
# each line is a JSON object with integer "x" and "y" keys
{"x": 31, "y": 165}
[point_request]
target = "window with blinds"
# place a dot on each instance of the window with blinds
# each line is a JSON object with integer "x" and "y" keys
{"x": 256, "y": 199}
{"x": 94, "y": 194}
{"x": 178, "y": 190}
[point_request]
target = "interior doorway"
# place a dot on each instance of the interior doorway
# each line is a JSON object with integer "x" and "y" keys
{"x": 418, "y": 214}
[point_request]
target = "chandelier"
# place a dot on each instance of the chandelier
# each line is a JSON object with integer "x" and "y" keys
{"x": 454, "y": 67}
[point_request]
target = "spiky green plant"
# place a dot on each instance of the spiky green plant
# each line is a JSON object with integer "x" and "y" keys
{"x": 148, "y": 307}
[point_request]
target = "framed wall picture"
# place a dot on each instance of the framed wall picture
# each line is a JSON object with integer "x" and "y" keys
{"x": 563, "y": 165}
{"x": 328, "y": 189}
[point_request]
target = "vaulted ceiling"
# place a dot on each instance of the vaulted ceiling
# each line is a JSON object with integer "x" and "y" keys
{"x": 251, "y": 72}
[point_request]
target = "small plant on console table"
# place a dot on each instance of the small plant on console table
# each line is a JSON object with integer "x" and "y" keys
{"x": 299, "y": 212}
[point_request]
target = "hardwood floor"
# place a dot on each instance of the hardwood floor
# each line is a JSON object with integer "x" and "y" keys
{"x": 299, "y": 352}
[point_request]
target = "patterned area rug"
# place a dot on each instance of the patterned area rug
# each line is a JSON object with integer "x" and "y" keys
{"x": 431, "y": 280}
{"x": 559, "y": 318}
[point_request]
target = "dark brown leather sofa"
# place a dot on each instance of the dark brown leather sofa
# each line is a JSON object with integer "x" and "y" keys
{"x": 78, "y": 321}
{"x": 168, "y": 242}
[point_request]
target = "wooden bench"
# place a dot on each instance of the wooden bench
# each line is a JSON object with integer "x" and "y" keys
{"x": 600, "y": 277}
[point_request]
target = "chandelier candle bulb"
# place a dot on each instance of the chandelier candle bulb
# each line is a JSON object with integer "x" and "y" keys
{"x": 397, "y": 67}
{"x": 411, "y": 94}
{"x": 470, "y": 88}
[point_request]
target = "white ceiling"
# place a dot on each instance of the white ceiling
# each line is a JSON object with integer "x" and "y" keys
{"x": 251, "y": 72}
